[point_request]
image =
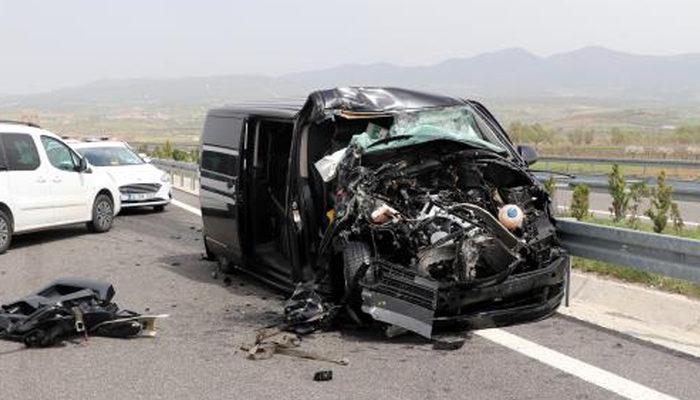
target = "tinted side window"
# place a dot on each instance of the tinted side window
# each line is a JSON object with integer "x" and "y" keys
{"x": 59, "y": 155}
{"x": 223, "y": 131}
{"x": 3, "y": 164}
{"x": 221, "y": 163}
{"x": 20, "y": 152}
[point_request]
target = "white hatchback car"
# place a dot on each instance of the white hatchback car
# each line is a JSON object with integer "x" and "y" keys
{"x": 140, "y": 183}
{"x": 44, "y": 184}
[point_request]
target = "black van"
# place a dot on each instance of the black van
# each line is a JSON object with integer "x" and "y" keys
{"x": 416, "y": 207}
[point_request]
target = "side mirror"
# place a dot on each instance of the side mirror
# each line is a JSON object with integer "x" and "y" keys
{"x": 528, "y": 154}
{"x": 145, "y": 158}
{"x": 84, "y": 167}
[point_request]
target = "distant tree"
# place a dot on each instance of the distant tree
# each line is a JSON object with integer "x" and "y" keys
{"x": 167, "y": 151}
{"x": 194, "y": 155}
{"x": 142, "y": 148}
{"x": 180, "y": 155}
{"x": 617, "y": 137}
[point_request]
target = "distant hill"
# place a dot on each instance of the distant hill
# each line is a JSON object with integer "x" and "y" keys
{"x": 590, "y": 72}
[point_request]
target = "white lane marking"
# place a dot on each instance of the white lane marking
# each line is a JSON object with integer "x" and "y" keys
{"x": 186, "y": 207}
{"x": 599, "y": 377}
{"x": 589, "y": 373}
{"x": 642, "y": 217}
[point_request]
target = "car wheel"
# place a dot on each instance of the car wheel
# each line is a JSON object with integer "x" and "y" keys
{"x": 355, "y": 255}
{"x": 102, "y": 214}
{"x": 5, "y": 232}
{"x": 159, "y": 208}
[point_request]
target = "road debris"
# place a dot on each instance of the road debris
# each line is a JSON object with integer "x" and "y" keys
{"x": 68, "y": 308}
{"x": 271, "y": 341}
{"x": 305, "y": 310}
{"x": 322, "y": 376}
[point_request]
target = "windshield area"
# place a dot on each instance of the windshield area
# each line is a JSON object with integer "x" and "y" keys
{"x": 461, "y": 124}
{"x": 110, "y": 156}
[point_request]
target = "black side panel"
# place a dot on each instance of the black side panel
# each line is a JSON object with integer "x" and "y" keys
{"x": 220, "y": 194}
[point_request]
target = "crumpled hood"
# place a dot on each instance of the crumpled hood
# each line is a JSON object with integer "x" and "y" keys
{"x": 129, "y": 174}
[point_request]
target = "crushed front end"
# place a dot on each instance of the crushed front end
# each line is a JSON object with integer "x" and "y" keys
{"x": 436, "y": 234}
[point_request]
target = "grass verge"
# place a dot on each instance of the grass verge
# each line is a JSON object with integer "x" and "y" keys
{"x": 649, "y": 279}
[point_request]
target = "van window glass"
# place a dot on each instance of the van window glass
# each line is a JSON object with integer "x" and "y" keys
{"x": 60, "y": 155}
{"x": 20, "y": 151}
{"x": 3, "y": 164}
{"x": 218, "y": 162}
{"x": 223, "y": 131}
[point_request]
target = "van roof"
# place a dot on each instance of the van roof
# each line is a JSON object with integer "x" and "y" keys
{"x": 344, "y": 99}
{"x": 285, "y": 110}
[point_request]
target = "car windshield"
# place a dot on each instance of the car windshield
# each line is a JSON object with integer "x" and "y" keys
{"x": 110, "y": 156}
{"x": 461, "y": 124}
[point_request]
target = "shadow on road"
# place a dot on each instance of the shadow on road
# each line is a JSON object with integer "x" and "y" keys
{"x": 47, "y": 236}
{"x": 193, "y": 267}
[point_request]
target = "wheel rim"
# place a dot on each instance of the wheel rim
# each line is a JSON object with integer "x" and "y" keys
{"x": 104, "y": 214}
{"x": 4, "y": 233}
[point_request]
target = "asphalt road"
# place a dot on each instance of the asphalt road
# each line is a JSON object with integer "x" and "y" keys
{"x": 153, "y": 259}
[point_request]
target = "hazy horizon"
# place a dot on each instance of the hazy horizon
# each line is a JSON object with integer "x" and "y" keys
{"x": 70, "y": 43}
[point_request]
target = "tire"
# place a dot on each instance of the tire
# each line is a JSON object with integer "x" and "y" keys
{"x": 159, "y": 208}
{"x": 355, "y": 255}
{"x": 5, "y": 232}
{"x": 102, "y": 214}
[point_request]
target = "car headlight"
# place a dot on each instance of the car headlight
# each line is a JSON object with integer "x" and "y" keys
{"x": 165, "y": 178}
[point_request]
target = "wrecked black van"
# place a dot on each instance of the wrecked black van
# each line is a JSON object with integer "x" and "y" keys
{"x": 411, "y": 208}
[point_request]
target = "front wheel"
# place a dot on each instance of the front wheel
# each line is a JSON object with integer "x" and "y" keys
{"x": 5, "y": 232}
{"x": 102, "y": 214}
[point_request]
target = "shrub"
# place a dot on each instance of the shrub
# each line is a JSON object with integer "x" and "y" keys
{"x": 618, "y": 192}
{"x": 638, "y": 192}
{"x": 580, "y": 202}
{"x": 661, "y": 203}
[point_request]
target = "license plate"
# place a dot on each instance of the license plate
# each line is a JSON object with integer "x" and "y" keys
{"x": 140, "y": 196}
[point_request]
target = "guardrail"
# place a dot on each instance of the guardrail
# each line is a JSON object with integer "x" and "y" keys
{"x": 673, "y": 163}
{"x": 662, "y": 254}
{"x": 182, "y": 171}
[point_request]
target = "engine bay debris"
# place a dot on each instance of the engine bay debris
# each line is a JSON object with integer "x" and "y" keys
{"x": 69, "y": 308}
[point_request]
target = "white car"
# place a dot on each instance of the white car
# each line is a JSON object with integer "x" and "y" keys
{"x": 140, "y": 183}
{"x": 44, "y": 184}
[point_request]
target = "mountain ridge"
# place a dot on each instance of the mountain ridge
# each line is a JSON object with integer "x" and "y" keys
{"x": 590, "y": 72}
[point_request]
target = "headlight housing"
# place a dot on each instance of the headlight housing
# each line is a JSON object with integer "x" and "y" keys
{"x": 165, "y": 178}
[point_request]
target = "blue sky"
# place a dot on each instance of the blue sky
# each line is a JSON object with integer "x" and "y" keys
{"x": 53, "y": 44}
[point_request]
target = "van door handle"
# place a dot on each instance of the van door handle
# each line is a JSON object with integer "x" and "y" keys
{"x": 41, "y": 179}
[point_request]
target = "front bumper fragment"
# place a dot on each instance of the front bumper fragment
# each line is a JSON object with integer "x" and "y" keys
{"x": 423, "y": 306}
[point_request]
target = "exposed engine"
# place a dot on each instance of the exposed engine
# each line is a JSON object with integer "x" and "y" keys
{"x": 469, "y": 218}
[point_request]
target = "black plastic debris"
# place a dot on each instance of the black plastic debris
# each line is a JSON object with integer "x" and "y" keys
{"x": 322, "y": 376}
{"x": 305, "y": 310}
{"x": 449, "y": 343}
{"x": 69, "y": 308}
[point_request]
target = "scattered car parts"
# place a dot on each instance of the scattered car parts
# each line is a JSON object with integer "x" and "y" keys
{"x": 68, "y": 308}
